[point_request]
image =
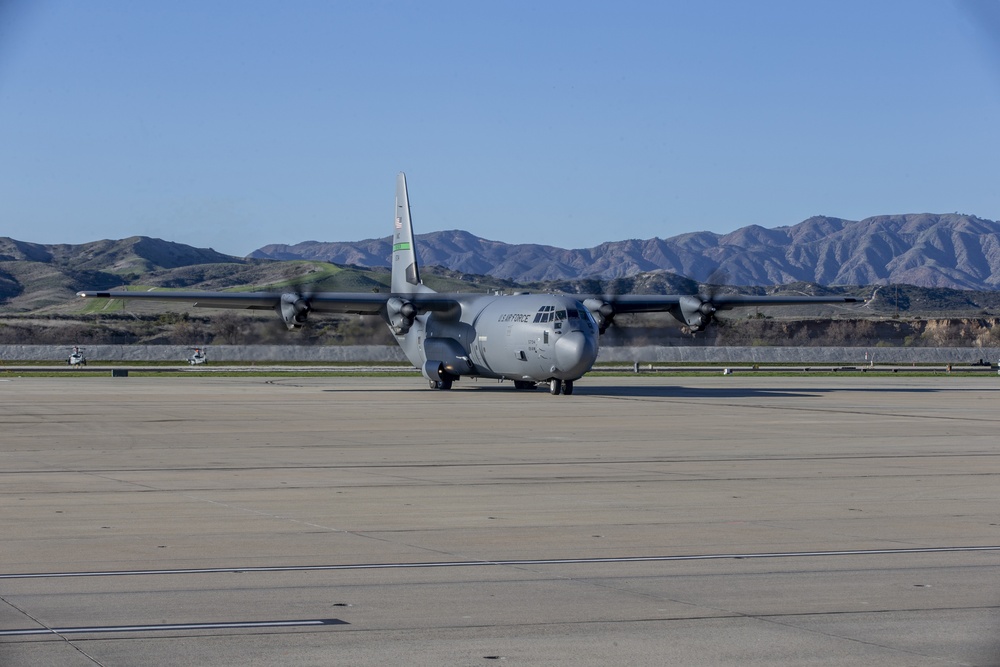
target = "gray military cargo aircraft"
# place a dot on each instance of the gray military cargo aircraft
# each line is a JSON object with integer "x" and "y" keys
{"x": 526, "y": 338}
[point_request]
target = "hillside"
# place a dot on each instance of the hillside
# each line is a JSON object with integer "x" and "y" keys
{"x": 951, "y": 251}
{"x": 43, "y": 279}
{"x": 34, "y": 276}
{"x": 38, "y": 302}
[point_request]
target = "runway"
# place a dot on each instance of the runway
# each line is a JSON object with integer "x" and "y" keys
{"x": 718, "y": 520}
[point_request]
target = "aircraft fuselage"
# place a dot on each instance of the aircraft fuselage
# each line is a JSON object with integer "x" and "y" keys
{"x": 524, "y": 337}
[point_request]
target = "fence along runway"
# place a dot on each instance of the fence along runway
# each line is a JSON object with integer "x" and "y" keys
{"x": 575, "y": 511}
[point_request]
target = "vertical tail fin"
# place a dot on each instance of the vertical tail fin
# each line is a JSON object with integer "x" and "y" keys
{"x": 405, "y": 274}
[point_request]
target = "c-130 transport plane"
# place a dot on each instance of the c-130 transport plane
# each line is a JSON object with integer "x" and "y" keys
{"x": 526, "y": 338}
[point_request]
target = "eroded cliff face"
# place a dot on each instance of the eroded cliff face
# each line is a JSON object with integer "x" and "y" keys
{"x": 230, "y": 329}
{"x": 977, "y": 332}
{"x": 943, "y": 332}
{"x": 816, "y": 332}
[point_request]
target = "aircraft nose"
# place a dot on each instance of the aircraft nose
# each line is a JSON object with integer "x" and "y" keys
{"x": 576, "y": 352}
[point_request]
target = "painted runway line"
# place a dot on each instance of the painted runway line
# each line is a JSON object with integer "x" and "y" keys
{"x": 168, "y": 627}
{"x": 514, "y": 562}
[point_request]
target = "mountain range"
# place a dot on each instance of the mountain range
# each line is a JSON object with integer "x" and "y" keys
{"x": 957, "y": 252}
{"x": 954, "y": 251}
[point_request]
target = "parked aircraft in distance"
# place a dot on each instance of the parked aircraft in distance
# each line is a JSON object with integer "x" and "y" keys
{"x": 76, "y": 357}
{"x": 525, "y": 338}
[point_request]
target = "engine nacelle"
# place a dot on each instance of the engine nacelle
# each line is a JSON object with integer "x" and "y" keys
{"x": 697, "y": 312}
{"x": 602, "y": 311}
{"x": 294, "y": 311}
{"x": 401, "y": 315}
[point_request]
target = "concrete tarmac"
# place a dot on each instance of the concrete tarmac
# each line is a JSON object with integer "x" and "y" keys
{"x": 717, "y": 520}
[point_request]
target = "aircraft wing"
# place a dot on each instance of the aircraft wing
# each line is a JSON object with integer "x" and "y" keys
{"x": 694, "y": 310}
{"x": 328, "y": 302}
{"x": 655, "y": 303}
{"x": 358, "y": 303}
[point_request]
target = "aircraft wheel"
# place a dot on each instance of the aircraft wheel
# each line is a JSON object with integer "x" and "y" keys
{"x": 442, "y": 385}
{"x": 567, "y": 387}
{"x": 555, "y": 387}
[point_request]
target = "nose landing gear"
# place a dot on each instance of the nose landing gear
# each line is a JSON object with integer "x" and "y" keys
{"x": 557, "y": 387}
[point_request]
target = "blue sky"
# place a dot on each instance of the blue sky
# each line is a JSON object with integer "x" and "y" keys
{"x": 238, "y": 124}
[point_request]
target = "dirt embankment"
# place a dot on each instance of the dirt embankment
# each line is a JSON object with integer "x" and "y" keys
{"x": 237, "y": 329}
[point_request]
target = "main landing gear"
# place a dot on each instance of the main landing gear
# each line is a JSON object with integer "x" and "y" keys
{"x": 442, "y": 385}
{"x": 557, "y": 387}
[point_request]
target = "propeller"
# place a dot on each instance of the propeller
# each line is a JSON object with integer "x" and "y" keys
{"x": 297, "y": 291}
{"x": 294, "y": 306}
{"x": 294, "y": 309}
{"x": 401, "y": 315}
{"x": 699, "y": 310}
{"x": 607, "y": 316}
{"x": 603, "y": 308}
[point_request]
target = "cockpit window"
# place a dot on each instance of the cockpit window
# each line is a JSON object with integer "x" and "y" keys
{"x": 547, "y": 314}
